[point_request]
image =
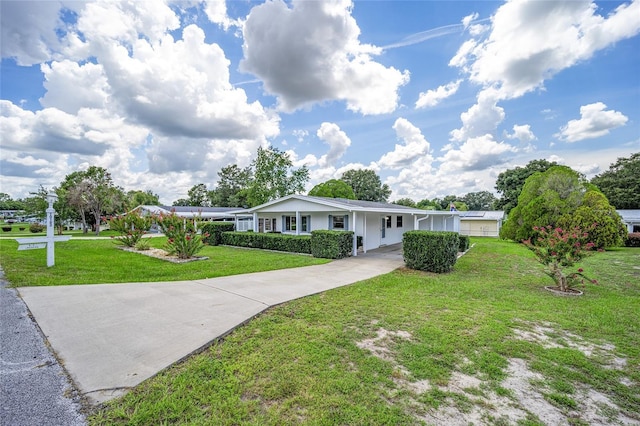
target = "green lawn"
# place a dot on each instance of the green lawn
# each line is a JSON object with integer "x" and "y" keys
{"x": 100, "y": 261}
{"x": 485, "y": 343}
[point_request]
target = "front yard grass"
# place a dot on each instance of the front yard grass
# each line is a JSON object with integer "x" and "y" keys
{"x": 485, "y": 344}
{"x": 100, "y": 261}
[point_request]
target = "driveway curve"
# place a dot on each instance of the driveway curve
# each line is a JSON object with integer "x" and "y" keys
{"x": 111, "y": 337}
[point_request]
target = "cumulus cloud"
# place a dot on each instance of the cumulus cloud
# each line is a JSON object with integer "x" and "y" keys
{"x": 476, "y": 154}
{"x": 531, "y": 41}
{"x": 337, "y": 140}
{"x": 431, "y": 98}
{"x": 479, "y": 119}
{"x": 87, "y": 82}
{"x": 28, "y": 33}
{"x": 216, "y": 11}
{"x": 594, "y": 122}
{"x": 523, "y": 133}
{"x": 311, "y": 53}
{"x": 414, "y": 147}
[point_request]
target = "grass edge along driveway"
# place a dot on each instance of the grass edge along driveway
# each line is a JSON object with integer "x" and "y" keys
{"x": 100, "y": 261}
{"x": 484, "y": 344}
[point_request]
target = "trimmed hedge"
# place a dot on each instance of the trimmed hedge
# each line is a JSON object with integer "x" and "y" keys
{"x": 271, "y": 241}
{"x": 464, "y": 243}
{"x": 331, "y": 244}
{"x": 430, "y": 251}
{"x": 215, "y": 230}
{"x": 633, "y": 240}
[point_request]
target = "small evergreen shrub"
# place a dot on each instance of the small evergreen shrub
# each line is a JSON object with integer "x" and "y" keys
{"x": 215, "y": 230}
{"x": 633, "y": 240}
{"x": 6, "y": 228}
{"x": 270, "y": 241}
{"x": 430, "y": 251}
{"x": 331, "y": 244}
{"x": 36, "y": 227}
{"x": 464, "y": 243}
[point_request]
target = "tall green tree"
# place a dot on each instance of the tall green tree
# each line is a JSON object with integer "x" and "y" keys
{"x": 621, "y": 183}
{"x": 510, "y": 182}
{"x": 8, "y": 203}
{"x": 137, "y": 198}
{"x": 92, "y": 192}
{"x": 408, "y": 202}
{"x": 233, "y": 184}
{"x": 274, "y": 177}
{"x": 367, "y": 185}
{"x": 333, "y": 188}
{"x": 36, "y": 205}
{"x": 483, "y": 200}
{"x": 561, "y": 197}
{"x": 199, "y": 196}
{"x": 427, "y": 204}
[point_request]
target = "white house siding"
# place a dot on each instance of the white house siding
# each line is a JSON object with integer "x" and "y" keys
{"x": 479, "y": 228}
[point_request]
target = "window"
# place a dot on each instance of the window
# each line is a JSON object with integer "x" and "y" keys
{"x": 266, "y": 225}
{"x": 399, "y": 222}
{"x": 388, "y": 221}
{"x": 290, "y": 224}
{"x": 338, "y": 222}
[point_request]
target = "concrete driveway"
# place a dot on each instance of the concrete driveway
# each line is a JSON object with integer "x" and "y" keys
{"x": 111, "y": 337}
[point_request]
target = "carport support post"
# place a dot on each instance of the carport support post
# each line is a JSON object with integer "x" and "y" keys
{"x": 51, "y": 198}
{"x": 355, "y": 236}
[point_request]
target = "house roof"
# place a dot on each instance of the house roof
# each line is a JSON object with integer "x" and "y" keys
{"x": 190, "y": 211}
{"x": 348, "y": 205}
{"x": 629, "y": 215}
{"x": 482, "y": 215}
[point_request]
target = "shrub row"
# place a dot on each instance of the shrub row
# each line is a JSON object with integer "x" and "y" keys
{"x": 633, "y": 240}
{"x": 464, "y": 243}
{"x": 279, "y": 242}
{"x": 331, "y": 244}
{"x": 430, "y": 250}
{"x": 215, "y": 230}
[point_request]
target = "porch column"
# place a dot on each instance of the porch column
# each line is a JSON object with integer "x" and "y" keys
{"x": 415, "y": 222}
{"x": 364, "y": 234}
{"x": 431, "y": 226}
{"x": 355, "y": 236}
{"x": 298, "y": 223}
{"x": 255, "y": 222}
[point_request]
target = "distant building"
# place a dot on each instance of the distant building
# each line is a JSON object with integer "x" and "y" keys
{"x": 631, "y": 219}
{"x": 481, "y": 223}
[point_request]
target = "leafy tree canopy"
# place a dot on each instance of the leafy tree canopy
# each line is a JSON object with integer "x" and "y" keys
{"x": 561, "y": 197}
{"x": 483, "y": 200}
{"x": 366, "y": 185}
{"x": 199, "y": 196}
{"x": 142, "y": 198}
{"x": 273, "y": 177}
{"x": 232, "y": 187}
{"x": 510, "y": 182}
{"x": 621, "y": 183}
{"x": 333, "y": 188}
{"x": 8, "y": 203}
{"x": 408, "y": 202}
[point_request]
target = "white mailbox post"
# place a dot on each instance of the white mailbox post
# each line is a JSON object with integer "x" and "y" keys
{"x": 50, "y": 239}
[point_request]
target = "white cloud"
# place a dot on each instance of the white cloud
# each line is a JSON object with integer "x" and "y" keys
{"x": 431, "y": 98}
{"x": 480, "y": 119}
{"x": 300, "y": 134}
{"x": 310, "y": 53}
{"x": 522, "y": 132}
{"x": 594, "y": 122}
{"x": 216, "y": 11}
{"x": 28, "y": 30}
{"x": 530, "y": 41}
{"x": 414, "y": 147}
{"x": 337, "y": 140}
{"x": 476, "y": 154}
{"x": 87, "y": 83}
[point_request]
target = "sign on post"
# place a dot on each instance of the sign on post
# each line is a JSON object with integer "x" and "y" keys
{"x": 49, "y": 240}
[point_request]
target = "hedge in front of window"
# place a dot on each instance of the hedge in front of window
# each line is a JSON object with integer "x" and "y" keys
{"x": 215, "y": 230}
{"x": 331, "y": 244}
{"x": 430, "y": 251}
{"x": 464, "y": 243}
{"x": 268, "y": 241}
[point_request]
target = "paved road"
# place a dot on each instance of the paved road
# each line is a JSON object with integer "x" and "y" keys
{"x": 34, "y": 389}
{"x": 111, "y": 337}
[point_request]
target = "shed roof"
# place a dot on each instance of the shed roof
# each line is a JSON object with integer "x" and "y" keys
{"x": 482, "y": 215}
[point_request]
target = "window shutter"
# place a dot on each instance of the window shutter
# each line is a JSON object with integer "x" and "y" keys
{"x": 283, "y": 224}
{"x": 330, "y": 226}
{"x": 308, "y": 224}
{"x": 346, "y": 222}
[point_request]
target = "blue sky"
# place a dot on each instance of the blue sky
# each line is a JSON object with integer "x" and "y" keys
{"x": 438, "y": 97}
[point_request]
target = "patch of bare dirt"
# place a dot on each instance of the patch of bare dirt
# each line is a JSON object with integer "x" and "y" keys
{"x": 473, "y": 401}
{"x": 163, "y": 255}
